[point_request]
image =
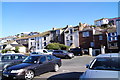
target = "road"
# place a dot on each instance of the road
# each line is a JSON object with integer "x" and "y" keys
{"x": 71, "y": 69}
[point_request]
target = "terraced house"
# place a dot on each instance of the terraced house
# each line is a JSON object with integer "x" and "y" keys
{"x": 39, "y": 41}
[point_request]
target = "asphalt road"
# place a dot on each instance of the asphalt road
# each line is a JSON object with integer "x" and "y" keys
{"x": 71, "y": 69}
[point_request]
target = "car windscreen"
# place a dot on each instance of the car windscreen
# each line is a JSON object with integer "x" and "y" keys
{"x": 31, "y": 59}
{"x": 65, "y": 51}
{"x": 111, "y": 63}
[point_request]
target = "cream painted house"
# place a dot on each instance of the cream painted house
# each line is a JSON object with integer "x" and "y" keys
{"x": 13, "y": 45}
{"x": 71, "y": 37}
{"x": 39, "y": 41}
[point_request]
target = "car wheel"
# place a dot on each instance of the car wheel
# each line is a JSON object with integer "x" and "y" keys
{"x": 56, "y": 67}
{"x": 29, "y": 75}
{"x": 67, "y": 57}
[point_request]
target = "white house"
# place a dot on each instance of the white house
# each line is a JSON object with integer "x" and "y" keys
{"x": 13, "y": 45}
{"x": 71, "y": 37}
{"x": 100, "y": 22}
{"x": 39, "y": 41}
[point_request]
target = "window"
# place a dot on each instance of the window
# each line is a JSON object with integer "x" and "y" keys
{"x": 115, "y": 38}
{"x": 100, "y": 37}
{"x": 38, "y": 44}
{"x": 16, "y": 57}
{"x": 23, "y": 57}
{"x": 49, "y": 57}
{"x": 44, "y": 43}
{"x": 105, "y": 64}
{"x": 71, "y": 44}
{"x": 43, "y": 59}
{"x": 92, "y": 44}
{"x": 70, "y": 31}
{"x": 71, "y": 38}
{"x": 32, "y": 39}
{"x": 112, "y": 44}
{"x": 6, "y": 57}
{"x": 67, "y": 38}
{"x": 44, "y": 38}
{"x": 44, "y": 51}
{"x": 85, "y": 34}
{"x": 113, "y": 34}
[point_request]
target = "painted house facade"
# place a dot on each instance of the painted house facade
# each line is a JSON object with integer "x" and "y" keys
{"x": 57, "y": 35}
{"x": 101, "y": 22}
{"x": 112, "y": 42}
{"x": 40, "y": 41}
{"x": 94, "y": 39}
{"x": 118, "y": 32}
{"x": 112, "y": 21}
{"x": 71, "y": 37}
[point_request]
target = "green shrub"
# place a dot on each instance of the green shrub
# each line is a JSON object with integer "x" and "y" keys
{"x": 56, "y": 46}
{"x": 16, "y": 50}
{"x": 5, "y": 51}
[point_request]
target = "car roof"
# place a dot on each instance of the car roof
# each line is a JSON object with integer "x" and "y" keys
{"x": 41, "y": 55}
{"x": 109, "y": 55}
{"x": 13, "y": 54}
{"x": 59, "y": 50}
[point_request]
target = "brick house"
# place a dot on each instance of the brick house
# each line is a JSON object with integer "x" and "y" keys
{"x": 92, "y": 38}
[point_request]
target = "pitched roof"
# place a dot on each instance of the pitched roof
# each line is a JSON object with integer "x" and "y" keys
{"x": 15, "y": 45}
{"x": 40, "y": 35}
{"x": 100, "y": 19}
{"x": 22, "y": 38}
{"x": 111, "y": 29}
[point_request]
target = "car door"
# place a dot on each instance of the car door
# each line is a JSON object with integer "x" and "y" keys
{"x": 50, "y": 62}
{"x": 42, "y": 65}
{"x": 56, "y": 53}
{"x": 61, "y": 54}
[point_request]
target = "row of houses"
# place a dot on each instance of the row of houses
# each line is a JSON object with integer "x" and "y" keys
{"x": 104, "y": 21}
{"x": 85, "y": 36}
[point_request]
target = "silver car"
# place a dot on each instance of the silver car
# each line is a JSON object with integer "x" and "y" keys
{"x": 103, "y": 67}
{"x": 8, "y": 59}
{"x": 63, "y": 54}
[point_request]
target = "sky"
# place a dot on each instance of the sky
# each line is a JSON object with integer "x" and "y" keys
{"x": 20, "y": 17}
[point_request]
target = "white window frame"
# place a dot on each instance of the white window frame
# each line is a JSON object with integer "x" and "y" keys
{"x": 100, "y": 37}
{"x": 85, "y": 34}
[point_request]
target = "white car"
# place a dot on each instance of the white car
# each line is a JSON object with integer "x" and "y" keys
{"x": 41, "y": 52}
{"x": 103, "y": 67}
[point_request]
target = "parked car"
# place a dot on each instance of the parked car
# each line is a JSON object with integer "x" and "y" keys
{"x": 76, "y": 51}
{"x": 63, "y": 54}
{"x": 9, "y": 59}
{"x": 41, "y": 51}
{"x": 33, "y": 66}
{"x": 103, "y": 67}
